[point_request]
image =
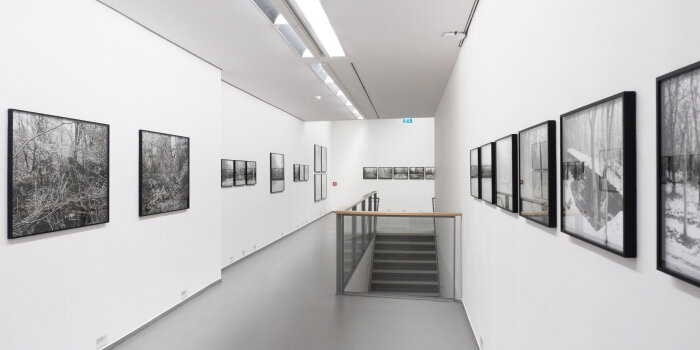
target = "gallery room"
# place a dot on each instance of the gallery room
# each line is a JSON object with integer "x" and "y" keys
{"x": 327, "y": 174}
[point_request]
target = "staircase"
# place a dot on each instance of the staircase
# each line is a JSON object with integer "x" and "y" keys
{"x": 405, "y": 264}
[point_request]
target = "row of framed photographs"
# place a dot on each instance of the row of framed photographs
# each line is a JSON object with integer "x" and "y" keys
{"x": 398, "y": 173}
{"x": 58, "y": 173}
{"x": 238, "y": 173}
{"x": 598, "y": 182}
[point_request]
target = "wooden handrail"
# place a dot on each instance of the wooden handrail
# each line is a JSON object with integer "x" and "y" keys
{"x": 379, "y": 213}
{"x": 349, "y": 207}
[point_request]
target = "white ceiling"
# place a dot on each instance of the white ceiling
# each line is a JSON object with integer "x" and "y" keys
{"x": 396, "y": 47}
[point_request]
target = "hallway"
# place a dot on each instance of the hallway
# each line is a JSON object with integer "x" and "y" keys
{"x": 283, "y": 297}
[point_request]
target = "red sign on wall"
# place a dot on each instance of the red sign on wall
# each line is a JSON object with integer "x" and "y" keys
{"x": 335, "y": 183}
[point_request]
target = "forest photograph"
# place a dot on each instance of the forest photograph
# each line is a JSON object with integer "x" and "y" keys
{"x": 534, "y": 170}
{"x": 506, "y": 192}
{"x": 239, "y": 172}
{"x": 593, "y": 176}
{"x": 679, "y": 173}
{"x": 297, "y": 172}
{"x": 416, "y": 173}
{"x": 164, "y": 173}
{"x": 487, "y": 172}
{"x": 58, "y": 173}
{"x": 385, "y": 173}
{"x": 474, "y": 184}
{"x": 430, "y": 173}
{"x": 276, "y": 172}
{"x": 400, "y": 173}
{"x": 251, "y": 175}
{"x": 226, "y": 173}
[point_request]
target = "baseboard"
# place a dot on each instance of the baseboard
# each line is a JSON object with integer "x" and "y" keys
{"x": 469, "y": 319}
{"x": 165, "y": 313}
{"x": 274, "y": 242}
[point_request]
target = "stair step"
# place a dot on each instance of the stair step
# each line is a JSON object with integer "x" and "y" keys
{"x": 404, "y": 277}
{"x": 411, "y": 283}
{"x": 412, "y": 246}
{"x": 427, "y": 272}
{"x": 404, "y": 255}
{"x": 404, "y": 237}
{"x": 405, "y": 287}
{"x": 429, "y": 265}
{"x": 416, "y": 294}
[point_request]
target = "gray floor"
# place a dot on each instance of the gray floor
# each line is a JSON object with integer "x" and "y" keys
{"x": 283, "y": 297}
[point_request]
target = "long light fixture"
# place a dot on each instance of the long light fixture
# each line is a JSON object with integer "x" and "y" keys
{"x": 283, "y": 27}
{"x": 320, "y": 24}
{"x": 335, "y": 89}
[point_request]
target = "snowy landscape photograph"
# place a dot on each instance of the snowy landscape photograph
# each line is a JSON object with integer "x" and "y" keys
{"x": 226, "y": 173}
{"x": 487, "y": 171}
{"x": 595, "y": 140}
{"x": 474, "y": 184}
{"x": 536, "y": 153}
{"x": 276, "y": 172}
{"x": 164, "y": 173}
{"x": 58, "y": 174}
{"x": 506, "y": 177}
{"x": 678, "y": 96}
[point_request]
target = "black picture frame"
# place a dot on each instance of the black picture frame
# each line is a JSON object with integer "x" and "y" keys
{"x": 430, "y": 173}
{"x": 590, "y": 179}
{"x": 385, "y": 173}
{"x": 317, "y": 158}
{"x": 369, "y": 173}
{"x": 251, "y": 173}
{"x": 277, "y": 184}
{"x": 324, "y": 186}
{"x": 239, "y": 173}
{"x": 548, "y": 199}
{"x": 475, "y": 173}
{"x": 674, "y": 163}
{"x": 297, "y": 172}
{"x": 10, "y": 175}
{"x": 317, "y": 187}
{"x": 505, "y": 159}
{"x": 488, "y": 188}
{"x": 416, "y": 173}
{"x": 226, "y": 175}
{"x": 324, "y": 159}
{"x": 143, "y": 211}
{"x": 400, "y": 173}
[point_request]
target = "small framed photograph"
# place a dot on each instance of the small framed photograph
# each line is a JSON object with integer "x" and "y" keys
{"x": 401, "y": 173}
{"x": 164, "y": 173}
{"x": 385, "y": 173}
{"x": 474, "y": 169}
{"x": 297, "y": 172}
{"x": 416, "y": 173}
{"x": 487, "y": 172}
{"x": 507, "y": 175}
{"x": 317, "y": 187}
{"x": 226, "y": 173}
{"x": 430, "y": 173}
{"x": 239, "y": 172}
{"x": 276, "y": 173}
{"x": 317, "y": 158}
{"x": 538, "y": 187}
{"x": 251, "y": 173}
{"x": 369, "y": 173}
{"x": 306, "y": 173}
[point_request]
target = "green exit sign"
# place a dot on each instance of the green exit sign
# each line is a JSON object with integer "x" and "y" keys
{"x": 408, "y": 120}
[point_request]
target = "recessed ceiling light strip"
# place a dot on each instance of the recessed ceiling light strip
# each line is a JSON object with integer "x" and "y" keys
{"x": 316, "y": 17}
{"x": 333, "y": 86}
{"x": 283, "y": 27}
{"x": 306, "y": 30}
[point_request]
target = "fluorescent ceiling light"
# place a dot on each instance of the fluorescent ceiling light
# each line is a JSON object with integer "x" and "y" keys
{"x": 283, "y": 27}
{"x": 330, "y": 83}
{"x": 321, "y": 26}
{"x": 280, "y": 20}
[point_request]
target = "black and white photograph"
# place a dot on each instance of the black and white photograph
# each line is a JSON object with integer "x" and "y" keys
{"x": 678, "y": 173}
{"x": 58, "y": 173}
{"x": 317, "y": 158}
{"x": 164, "y": 173}
{"x": 239, "y": 172}
{"x": 324, "y": 159}
{"x": 306, "y": 173}
{"x": 317, "y": 187}
{"x": 401, "y": 173}
{"x": 276, "y": 172}
{"x": 487, "y": 172}
{"x": 507, "y": 174}
{"x": 297, "y": 172}
{"x": 598, "y": 174}
{"x": 369, "y": 173}
{"x": 538, "y": 192}
{"x": 324, "y": 186}
{"x": 430, "y": 173}
{"x": 385, "y": 173}
{"x": 226, "y": 173}
{"x": 251, "y": 173}
{"x": 474, "y": 183}
{"x": 416, "y": 173}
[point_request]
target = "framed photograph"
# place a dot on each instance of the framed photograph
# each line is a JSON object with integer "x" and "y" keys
{"x": 401, "y": 173}
{"x": 306, "y": 173}
{"x": 164, "y": 173}
{"x": 317, "y": 158}
{"x": 430, "y": 173}
{"x": 538, "y": 188}
{"x": 507, "y": 175}
{"x": 324, "y": 186}
{"x": 369, "y": 173}
{"x": 416, "y": 173}
{"x": 474, "y": 169}
{"x": 57, "y": 174}
{"x": 678, "y": 173}
{"x": 487, "y": 172}
{"x": 226, "y": 173}
{"x": 251, "y": 173}
{"x": 324, "y": 159}
{"x": 276, "y": 172}
{"x": 385, "y": 173}
{"x": 297, "y": 172}
{"x": 317, "y": 187}
{"x": 239, "y": 172}
{"x": 598, "y": 172}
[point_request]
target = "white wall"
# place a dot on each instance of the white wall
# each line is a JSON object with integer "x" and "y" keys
{"x": 79, "y": 59}
{"x": 252, "y": 217}
{"x": 382, "y": 143}
{"x": 525, "y": 286}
